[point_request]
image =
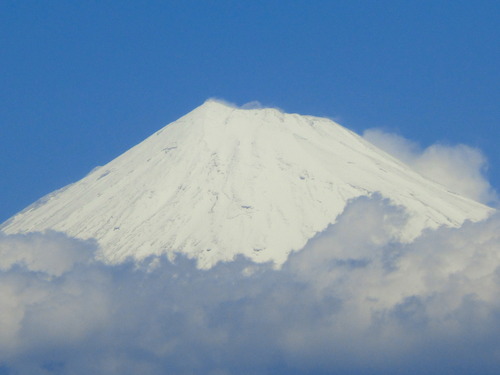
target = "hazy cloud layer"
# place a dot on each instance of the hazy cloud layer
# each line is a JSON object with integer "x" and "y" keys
{"x": 460, "y": 168}
{"x": 354, "y": 301}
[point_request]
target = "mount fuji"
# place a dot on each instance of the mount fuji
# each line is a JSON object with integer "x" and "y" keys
{"x": 223, "y": 181}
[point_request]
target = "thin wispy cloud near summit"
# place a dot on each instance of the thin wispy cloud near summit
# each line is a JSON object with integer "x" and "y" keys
{"x": 254, "y": 104}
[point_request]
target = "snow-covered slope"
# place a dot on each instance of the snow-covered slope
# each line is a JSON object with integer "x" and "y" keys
{"x": 222, "y": 181}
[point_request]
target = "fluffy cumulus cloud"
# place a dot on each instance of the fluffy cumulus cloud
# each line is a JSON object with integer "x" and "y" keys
{"x": 353, "y": 301}
{"x": 460, "y": 168}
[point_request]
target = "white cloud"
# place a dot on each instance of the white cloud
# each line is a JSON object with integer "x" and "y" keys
{"x": 355, "y": 300}
{"x": 460, "y": 168}
{"x": 223, "y": 102}
{"x": 254, "y": 104}
{"x": 51, "y": 253}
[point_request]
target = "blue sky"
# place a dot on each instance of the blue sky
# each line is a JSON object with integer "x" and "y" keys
{"x": 82, "y": 82}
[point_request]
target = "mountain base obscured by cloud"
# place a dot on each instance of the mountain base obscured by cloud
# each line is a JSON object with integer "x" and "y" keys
{"x": 353, "y": 301}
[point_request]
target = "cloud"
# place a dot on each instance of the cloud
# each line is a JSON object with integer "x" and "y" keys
{"x": 52, "y": 253}
{"x": 460, "y": 168}
{"x": 254, "y": 104}
{"x": 49, "y": 294}
{"x": 222, "y": 101}
{"x": 354, "y": 300}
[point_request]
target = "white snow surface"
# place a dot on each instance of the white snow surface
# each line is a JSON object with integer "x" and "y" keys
{"x": 223, "y": 181}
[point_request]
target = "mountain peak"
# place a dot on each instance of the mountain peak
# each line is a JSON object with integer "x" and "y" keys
{"x": 214, "y": 103}
{"x": 222, "y": 181}
{"x": 220, "y": 105}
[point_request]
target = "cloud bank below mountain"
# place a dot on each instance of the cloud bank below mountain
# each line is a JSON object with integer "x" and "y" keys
{"x": 354, "y": 300}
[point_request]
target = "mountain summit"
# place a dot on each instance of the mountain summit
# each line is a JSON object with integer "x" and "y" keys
{"x": 222, "y": 181}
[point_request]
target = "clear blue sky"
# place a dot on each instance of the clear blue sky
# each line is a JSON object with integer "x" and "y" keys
{"x": 81, "y": 82}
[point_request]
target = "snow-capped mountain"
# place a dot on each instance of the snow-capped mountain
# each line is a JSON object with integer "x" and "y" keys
{"x": 222, "y": 181}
